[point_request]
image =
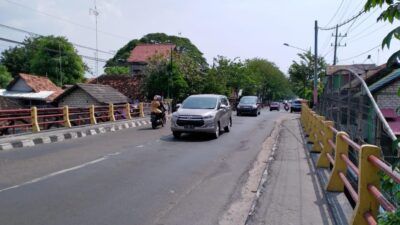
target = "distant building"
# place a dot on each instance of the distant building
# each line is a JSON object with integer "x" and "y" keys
{"x": 84, "y": 95}
{"x": 31, "y": 90}
{"x": 142, "y": 53}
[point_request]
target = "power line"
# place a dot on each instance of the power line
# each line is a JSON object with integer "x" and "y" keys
{"x": 346, "y": 59}
{"x": 356, "y": 38}
{"x": 337, "y": 10}
{"x": 345, "y": 22}
{"x": 67, "y": 20}
{"x": 51, "y": 50}
{"x": 40, "y": 35}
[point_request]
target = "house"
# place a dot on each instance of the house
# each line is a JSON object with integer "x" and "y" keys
{"x": 143, "y": 53}
{"x": 7, "y": 103}
{"x": 127, "y": 85}
{"x": 31, "y": 90}
{"x": 84, "y": 95}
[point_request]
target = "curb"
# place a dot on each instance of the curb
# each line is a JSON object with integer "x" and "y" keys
{"x": 47, "y": 137}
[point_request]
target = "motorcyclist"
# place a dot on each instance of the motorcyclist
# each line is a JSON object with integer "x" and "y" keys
{"x": 157, "y": 107}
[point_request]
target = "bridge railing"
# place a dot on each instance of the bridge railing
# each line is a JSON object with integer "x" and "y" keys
{"x": 333, "y": 146}
{"x": 14, "y": 121}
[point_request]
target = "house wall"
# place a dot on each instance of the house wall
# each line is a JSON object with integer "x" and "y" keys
{"x": 21, "y": 85}
{"x": 387, "y": 97}
{"x": 78, "y": 98}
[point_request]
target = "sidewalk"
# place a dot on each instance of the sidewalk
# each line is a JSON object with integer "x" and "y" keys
{"x": 292, "y": 194}
{"x": 61, "y": 134}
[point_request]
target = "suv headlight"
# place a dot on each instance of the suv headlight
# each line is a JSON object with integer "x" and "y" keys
{"x": 254, "y": 106}
{"x": 207, "y": 117}
{"x": 174, "y": 116}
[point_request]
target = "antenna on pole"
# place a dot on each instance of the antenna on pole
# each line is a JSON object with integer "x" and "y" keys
{"x": 96, "y": 13}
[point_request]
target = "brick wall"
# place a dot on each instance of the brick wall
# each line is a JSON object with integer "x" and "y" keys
{"x": 387, "y": 97}
{"x": 78, "y": 98}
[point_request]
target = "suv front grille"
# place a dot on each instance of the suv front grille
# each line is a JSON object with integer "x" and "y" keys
{"x": 196, "y": 123}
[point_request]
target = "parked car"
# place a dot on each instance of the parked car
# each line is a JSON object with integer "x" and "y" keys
{"x": 274, "y": 106}
{"x": 202, "y": 113}
{"x": 295, "y": 106}
{"x": 249, "y": 105}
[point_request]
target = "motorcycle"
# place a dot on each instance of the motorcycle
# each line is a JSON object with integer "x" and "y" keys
{"x": 157, "y": 119}
{"x": 286, "y": 107}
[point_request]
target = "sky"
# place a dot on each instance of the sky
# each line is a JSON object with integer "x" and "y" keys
{"x": 232, "y": 28}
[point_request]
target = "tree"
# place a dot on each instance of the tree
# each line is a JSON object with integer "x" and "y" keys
{"x": 116, "y": 70}
{"x": 183, "y": 45}
{"x": 5, "y": 76}
{"x": 390, "y": 14}
{"x": 164, "y": 78}
{"x": 302, "y": 74}
{"x": 266, "y": 79}
{"x": 49, "y": 56}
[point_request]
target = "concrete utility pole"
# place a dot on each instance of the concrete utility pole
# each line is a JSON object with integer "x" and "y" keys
{"x": 336, "y": 44}
{"x": 316, "y": 64}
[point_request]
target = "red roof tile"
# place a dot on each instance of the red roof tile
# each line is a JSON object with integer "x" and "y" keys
{"x": 144, "y": 52}
{"x": 40, "y": 83}
{"x": 127, "y": 85}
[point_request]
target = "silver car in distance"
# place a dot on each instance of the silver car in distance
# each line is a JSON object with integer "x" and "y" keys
{"x": 206, "y": 113}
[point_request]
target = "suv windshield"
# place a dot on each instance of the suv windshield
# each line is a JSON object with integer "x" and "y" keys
{"x": 199, "y": 103}
{"x": 248, "y": 100}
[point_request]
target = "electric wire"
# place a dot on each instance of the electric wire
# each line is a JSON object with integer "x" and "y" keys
{"x": 67, "y": 20}
{"x": 345, "y": 22}
{"x": 52, "y": 50}
{"x": 39, "y": 35}
{"x": 360, "y": 54}
{"x": 334, "y": 15}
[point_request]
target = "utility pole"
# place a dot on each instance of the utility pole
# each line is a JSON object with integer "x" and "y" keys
{"x": 96, "y": 13}
{"x": 336, "y": 45}
{"x": 59, "y": 51}
{"x": 170, "y": 74}
{"x": 315, "y": 64}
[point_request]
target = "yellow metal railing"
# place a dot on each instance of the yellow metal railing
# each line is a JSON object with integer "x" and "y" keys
{"x": 333, "y": 146}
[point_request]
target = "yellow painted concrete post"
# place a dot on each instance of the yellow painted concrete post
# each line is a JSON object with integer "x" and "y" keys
{"x": 323, "y": 161}
{"x": 67, "y": 122}
{"x": 92, "y": 115}
{"x": 318, "y": 138}
{"x": 335, "y": 183}
{"x": 312, "y": 128}
{"x": 34, "y": 120}
{"x": 128, "y": 111}
{"x": 368, "y": 175}
{"x": 111, "y": 112}
{"x": 306, "y": 121}
{"x": 141, "y": 110}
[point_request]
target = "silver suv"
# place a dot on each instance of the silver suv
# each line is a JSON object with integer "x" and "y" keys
{"x": 202, "y": 113}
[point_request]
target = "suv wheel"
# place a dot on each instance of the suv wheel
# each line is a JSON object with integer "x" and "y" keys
{"x": 217, "y": 130}
{"x": 228, "y": 128}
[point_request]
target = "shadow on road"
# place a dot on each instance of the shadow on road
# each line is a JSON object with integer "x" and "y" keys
{"x": 190, "y": 137}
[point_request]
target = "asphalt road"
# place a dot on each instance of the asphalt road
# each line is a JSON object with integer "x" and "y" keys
{"x": 136, "y": 176}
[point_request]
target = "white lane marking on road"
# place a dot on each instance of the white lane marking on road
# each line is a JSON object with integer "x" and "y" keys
{"x": 140, "y": 146}
{"x": 61, "y": 172}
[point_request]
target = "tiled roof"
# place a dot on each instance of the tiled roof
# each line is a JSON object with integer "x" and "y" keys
{"x": 127, "y": 85}
{"x": 393, "y": 76}
{"x": 358, "y": 68}
{"x": 102, "y": 93}
{"x": 38, "y": 84}
{"x": 143, "y": 52}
